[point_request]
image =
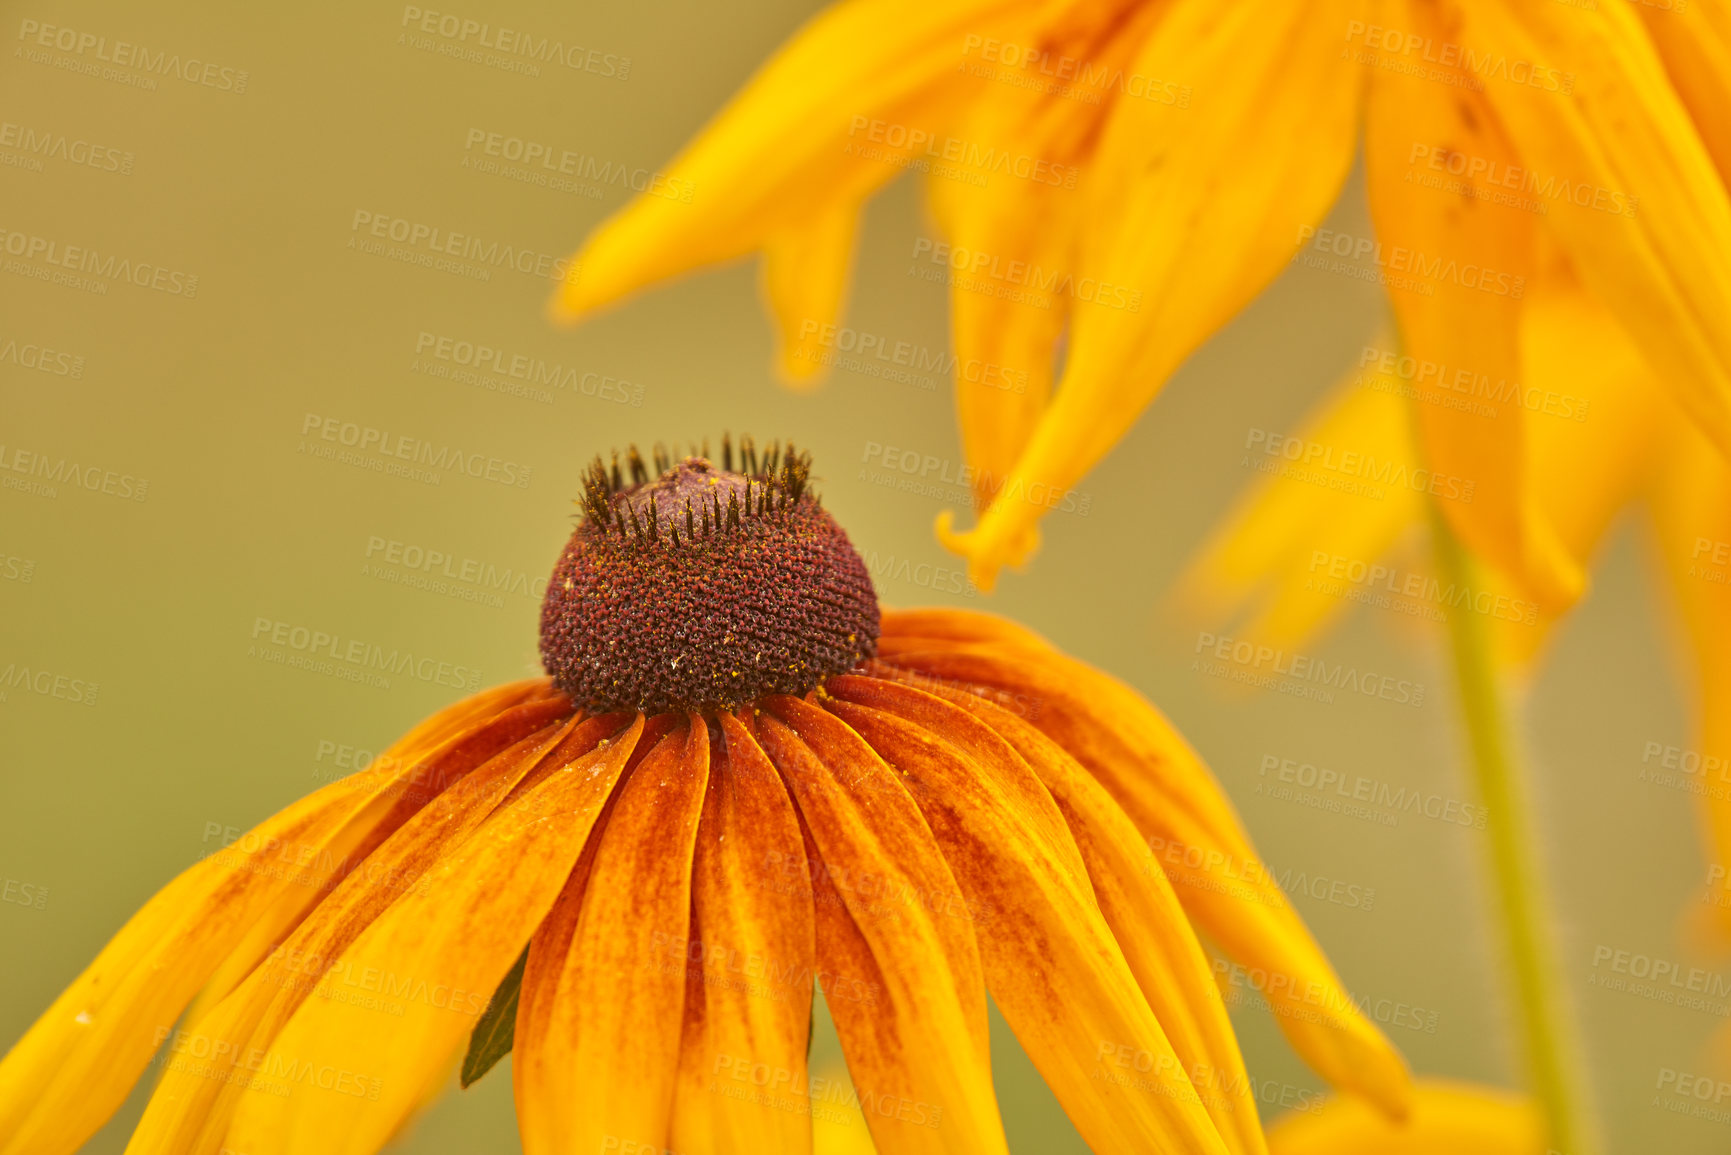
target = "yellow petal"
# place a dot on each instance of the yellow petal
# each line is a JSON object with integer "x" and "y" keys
{"x": 1691, "y": 509}
{"x": 597, "y": 1054}
{"x": 1194, "y": 835}
{"x": 75, "y": 1066}
{"x": 805, "y": 275}
{"x": 1279, "y": 568}
{"x": 901, "y": 971}
{"x": 858, "y": 94}
{"x": 1192, "y": 211}
{"x": 1598, "y": 423}
{"x": 1150, "y": 926}
{"x": 1051, "y": 962}
{"x": 1693, "y": 39}
{"x": 749, "y": 963}
{"x": 1448, "y": 1118}
{"x": 192, "y": 1105}
{"x": 380, "y": 1036}
{"x": 1461, "y": 261}
{"x": 1600, "y": 113}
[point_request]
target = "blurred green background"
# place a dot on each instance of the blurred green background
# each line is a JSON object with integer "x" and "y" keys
{"x": 254, "y": 183}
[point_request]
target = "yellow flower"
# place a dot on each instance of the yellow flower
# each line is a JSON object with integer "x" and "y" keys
{"x": 1602, "y": 442}
{"x": 740, "y": 777}
{"x": 1114, "y": 182}
{"x": 1447, "y": 1118}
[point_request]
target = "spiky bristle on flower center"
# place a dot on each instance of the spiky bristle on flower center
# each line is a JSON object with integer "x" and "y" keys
{"x": 705, "y": 586}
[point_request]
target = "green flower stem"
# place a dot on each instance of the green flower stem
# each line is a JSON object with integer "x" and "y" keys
{"x": 1550, "y": 1040}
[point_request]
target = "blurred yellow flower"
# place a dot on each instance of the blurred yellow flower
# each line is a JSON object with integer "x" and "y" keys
{"x": 1448, "y": 1118}
{"x": 1114, "y": 182}
{"x": 1296, "y": 552}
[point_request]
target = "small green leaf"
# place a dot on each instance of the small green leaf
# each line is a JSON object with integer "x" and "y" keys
{"x": 497, "y": 1028}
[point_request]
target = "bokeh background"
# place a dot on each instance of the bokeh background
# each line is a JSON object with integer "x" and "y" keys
{"x": 261, "y": 312}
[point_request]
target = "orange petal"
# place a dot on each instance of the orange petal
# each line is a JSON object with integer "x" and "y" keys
{"x": 749, "y": 964}
{"x": 1051, "y": 963}
{"x": 356, "y": 1070}
{"x": 598, "y": 1053}
{"x": 75, "y": 1066}
{"x": 1147, "y": 921}
{"x": 1469, "y": 320}
{"x": 192, "y": 1105}
{"x": 1447, "y": 1118}
{"x": 1195, "y": 836}
{"x": 901, "y": 974}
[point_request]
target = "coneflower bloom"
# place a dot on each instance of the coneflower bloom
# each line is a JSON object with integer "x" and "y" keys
{"x": 1115, "y": 182}
{"x": 739, "y": 781}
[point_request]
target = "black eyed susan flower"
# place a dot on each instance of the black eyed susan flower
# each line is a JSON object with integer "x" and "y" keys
{"x": 740, "y": 781}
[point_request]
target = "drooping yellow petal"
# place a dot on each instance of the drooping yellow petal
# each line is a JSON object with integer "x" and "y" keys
{"x": 75, "y": 1066}
{"x": 190, "y": 1110}
{"x": 1647, "y": 224}
{"x": 1052, "y": 964}
{"x": 749, "y": 964}
{"x": 1294, "y": 551}
{"x": 1597, "y": 420}
{"x": 804, "y": 276}
{"x": 1460, "y": 255}
{"x": 1693, "y": 38}
{"x": 1193, "y": 210}
{"x": 1010, "y": 206}
{"x": 1139, "y": 905}
{"x": 599, "y": 1056}
{"x": 901, "y": 970}
{"x": 1448, "y": 1118}
{"x": 1192, "y": 833}
{"x": 378, "y": 1038}
{"x": 858, "y": 94}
